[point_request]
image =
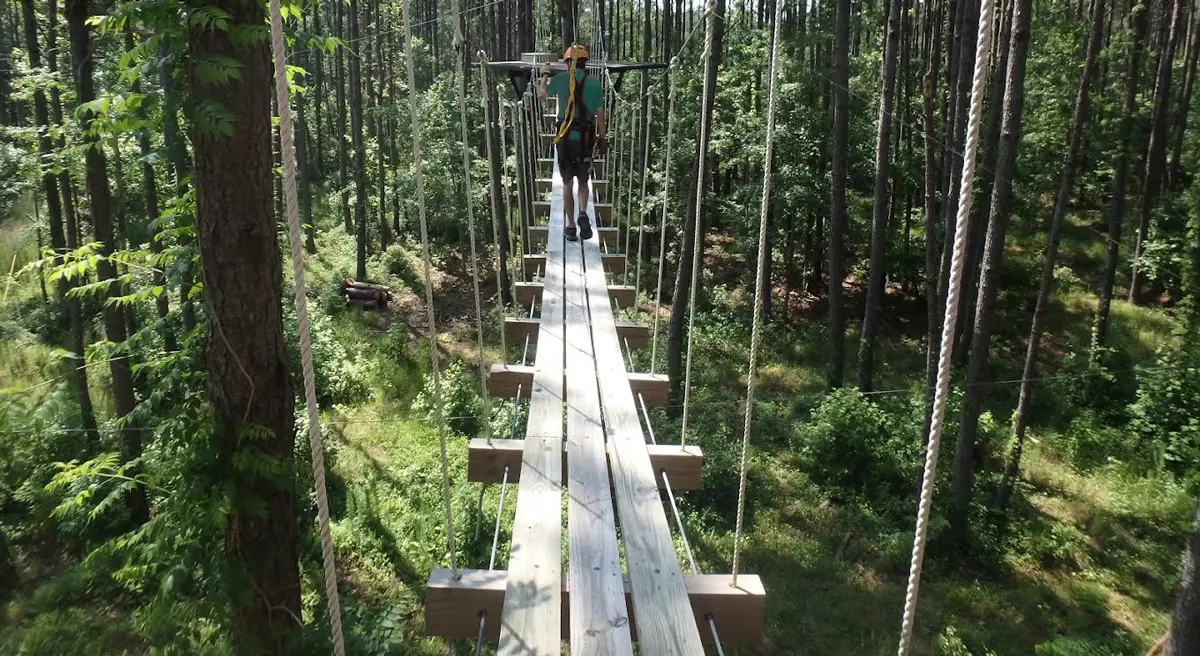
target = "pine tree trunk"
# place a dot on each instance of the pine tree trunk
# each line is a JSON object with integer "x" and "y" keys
{"x": 879, "y": 213}
{"x": 932, "y": 178}
{"x": 356, "y": 142}
{"x": 1183, "y": 637}
{"x": 1156, "y": 152}
{"x": 1185, "y": 99}
{"x": 963, "y": 472}
{"x": 340, "y": 81}
{"x": 1070, "y": 166}
{"x": 684, "y": 275}
{"x": 837, "y": 207}
{"x": 1116, "y": 209}
{"x": 98, "y": 195}
{"x": 250, "y": 383}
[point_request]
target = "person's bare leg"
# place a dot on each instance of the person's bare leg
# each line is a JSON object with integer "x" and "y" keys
{"x": 583, "y": 194}
{"x": 569, "y": 201}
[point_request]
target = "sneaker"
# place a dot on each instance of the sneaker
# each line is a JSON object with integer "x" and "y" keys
{"x": 569, "y": 232}
{"x": 585, "y": 226}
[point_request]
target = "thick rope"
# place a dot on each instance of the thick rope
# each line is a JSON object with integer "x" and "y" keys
{"x": 433, "y": 353}
{"x": 698, "y": 246}
{"x": 633, "y": 123}
{"x": 662, "y": 226}
{"x": 291, "y": 210}
{"x": 760, "y": 290}
{"x": 637, "y": 269}
{"x": 949, "y": 323}
{"x": 459, "y": 45}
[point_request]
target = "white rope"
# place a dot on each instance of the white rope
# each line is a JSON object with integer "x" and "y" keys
{"x": 698, "y": 246}
{"x": 949, "y": 323}
{"x": 633, "y": 127}
{"x": 459, "y": 45}
{"x": 662, "y": 226}
{"x": 433, "y": 353}
{"x": 760, "y": 290}
{"x": 291, "y": 210}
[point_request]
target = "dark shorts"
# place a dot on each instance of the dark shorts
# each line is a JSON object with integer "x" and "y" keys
{"x": 573, "y": 161}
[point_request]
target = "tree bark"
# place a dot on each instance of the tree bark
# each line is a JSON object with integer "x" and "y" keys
{"x": 356, "y": 142}
{"x": 1156, "y": 152}
{"x": 879, "y": 214}
{"x": 932, "y": 178}
{"x": 1070, "y": 166}
{"x": 1183, "y": 637}
{"x": 963, "y": 473}
{"x": 249, "y": 383}
{"x": 837, "y": 206}
{"x": 684, "y": 275}
{"x": 1185, "y": 99}
{"x": 98, "y": 195}
{"x": 340, "y": 81}
{"x": 1116, "y": 209}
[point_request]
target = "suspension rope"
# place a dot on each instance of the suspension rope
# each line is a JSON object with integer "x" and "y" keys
{"x": 662, "y": 226}
{"x": 949, "y": 323}
{"x": 633, "y": 124}
{"x": 760, "y": 290}
{"x": 698, "y": 247}
{"x": 291, "y": 209}
{"x": 433, "y": 352}
{"x": 459, "y": 45}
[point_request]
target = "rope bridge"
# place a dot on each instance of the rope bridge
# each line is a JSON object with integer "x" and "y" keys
{"x": 584, "y": 437}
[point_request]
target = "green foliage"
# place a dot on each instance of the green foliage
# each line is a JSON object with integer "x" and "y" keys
{"x": 859, "y": 449}
{"x": 1166, "y": 414}
{"x": 341, "y": 376}
{"x": 1072, "y": 646}
{"x": 460, "y": 403}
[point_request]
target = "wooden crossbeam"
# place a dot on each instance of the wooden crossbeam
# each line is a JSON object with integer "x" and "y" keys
{"x": 637, "y": 335}
{"x": 528, "y": 291}
{"x": 504, "y": 380}
{"x": 486, "y": 462}
{"x": 610, "y": 236}
{"x": 544, "y": 185}
{"x": 613, "y": 263}
{"x": 541, "y": 208}
{"x": 452, "y": 606}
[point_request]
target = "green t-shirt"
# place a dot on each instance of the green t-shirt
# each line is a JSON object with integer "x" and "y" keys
{"x": 560, "y": 87}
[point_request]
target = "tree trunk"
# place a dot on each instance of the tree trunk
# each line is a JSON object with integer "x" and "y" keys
{"x": 1185, "y": 99}
{"x": 356, "y": 142}
{"x": 1070, "y": 166}
{"x": 177, "y": 154}
{"x": 1006, "y": 159}
{"x": 250, "y": 384}
{"x": 879, "y": 213}
{"x": 837, "y": 206}
{"x": 495, "y": 188}
{"x": 340, "y": 81}
{"x": 684, "y": 275}
{"x": 1156, "y": 152}
{"x": 932, "y": 178}
{"x": 98, "y": 195}
{"x": 1183, "y": 637}
{"x": 1116, "y": 209}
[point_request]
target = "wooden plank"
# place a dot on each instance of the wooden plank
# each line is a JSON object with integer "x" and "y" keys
{"x": 544, "y": 185}
{"x": 452, "y": 606}
{"x": 531, "y": 615}
{"x": 603, "y": 211}
{"x": 636, "y": 334}
{"x": 504, "y": 380}
{"x": 534, "y": 264}
{"x": 599, "y": 623}
{"x": 486, "y": 462}
{"x": 665, "y": 622}
{"x": 538, "y": 235}
{"x": 541, "y": 208}
{"x": 529, "y": 291}
{"x": 654, "y": 388}
{"x": 614, "y": 262}
{"x": 623, "y": 295}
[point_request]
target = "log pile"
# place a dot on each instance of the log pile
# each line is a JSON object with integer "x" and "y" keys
{"x": 366, "y": 294}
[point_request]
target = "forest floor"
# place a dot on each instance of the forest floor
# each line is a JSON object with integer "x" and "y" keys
{"x": 1085, "y": 563}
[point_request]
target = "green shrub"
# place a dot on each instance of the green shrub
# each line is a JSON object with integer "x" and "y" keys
{"x": 1089, "y": 443}
{"x": 340, "y": 377}
{"x": 859, "y": 449}
{"x": 1166, "y": 415}
{"x": 1072, "y": 646}
{"x": 461, "y": 403}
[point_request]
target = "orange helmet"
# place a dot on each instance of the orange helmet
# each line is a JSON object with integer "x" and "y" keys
{"x": 576, "y": 51}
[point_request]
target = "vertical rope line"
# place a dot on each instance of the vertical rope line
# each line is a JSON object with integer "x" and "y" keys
{"x": 637, "y": 275}
{"x": 495, "y": 203}
{"x": 951, "y": 320}
{"x": 760, "y": 290}
{"x": 460, "y": 46}
{"x": 666, "y": 201}
{"x": 633, "y": 124}
{"x": 710, "y": 19}
{"x": 433, "y": 354}
{"x": 291, "y": 209}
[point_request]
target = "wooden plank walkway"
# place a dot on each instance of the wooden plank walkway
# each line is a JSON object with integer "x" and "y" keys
{"x": 665, "y": 623}
{"x": 599, "y": 619}
{"x": 532, "y": 614}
